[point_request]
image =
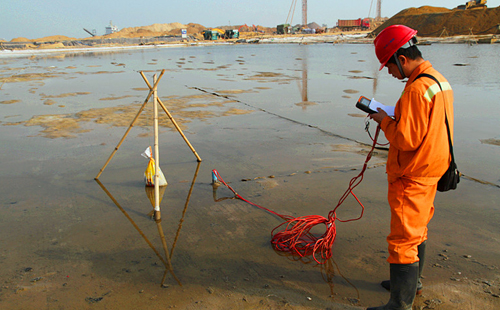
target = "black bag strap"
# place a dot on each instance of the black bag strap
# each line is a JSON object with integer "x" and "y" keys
{"x": 445, "y": 116}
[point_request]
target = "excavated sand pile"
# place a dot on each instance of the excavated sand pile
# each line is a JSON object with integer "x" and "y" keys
{"x": 20, "y": 39}
{"x": 146, "y": 31}
{"x": 56, "y": 38}
{"x": 436, "y": 21}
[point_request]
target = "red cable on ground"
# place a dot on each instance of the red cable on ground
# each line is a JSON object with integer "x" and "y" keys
{"x": 295, "y": 236}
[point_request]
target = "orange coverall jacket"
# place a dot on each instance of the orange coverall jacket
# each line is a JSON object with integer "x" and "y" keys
{"x": 419, "y": 148}
{"x": 419, "y": 154}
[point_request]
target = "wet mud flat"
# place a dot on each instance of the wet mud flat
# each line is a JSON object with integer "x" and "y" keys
{"x": 71, "y": 242}
{"x": 67, "y": 244}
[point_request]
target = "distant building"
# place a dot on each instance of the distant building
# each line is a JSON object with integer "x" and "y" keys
{"x": 111, "y": 28}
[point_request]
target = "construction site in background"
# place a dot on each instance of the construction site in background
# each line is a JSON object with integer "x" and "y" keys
{"x": 472, "y": 18}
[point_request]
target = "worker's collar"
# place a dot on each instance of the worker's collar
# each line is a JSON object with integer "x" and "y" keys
{"x": 419, "y": 69}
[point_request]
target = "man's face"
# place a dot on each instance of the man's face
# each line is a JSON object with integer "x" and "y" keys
{"x": 393, "y": 70}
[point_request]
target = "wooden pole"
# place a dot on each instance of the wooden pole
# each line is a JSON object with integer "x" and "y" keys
{"x": 131, "y": 124}
{"x": 123, "y": 138}
{"x": 198, "y": 158}
{"x": 179, "y": 130}
{"x": 157, "y": 152}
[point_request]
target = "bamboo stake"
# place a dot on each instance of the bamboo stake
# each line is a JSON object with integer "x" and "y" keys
{"x": 174, "y": 122}
{"x": 179, "y": 130}
{"x": 157, "y": 152}
{"x": 131, "y": 124}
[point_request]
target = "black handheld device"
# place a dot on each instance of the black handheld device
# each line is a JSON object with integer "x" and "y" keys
{"x": 364, "y": 105}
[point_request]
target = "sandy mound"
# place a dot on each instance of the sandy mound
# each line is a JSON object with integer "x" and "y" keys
{"x": 51, "y": 46}
{"x": 154, "y": 28}
{"x": 147, "y": 31}
{"x": 435, "y": 21}
{"x": 191, "y": 28}
{"x": 55, "y": 38}
{"x": 422, "y": 10}
{"x": 20, "y": 39}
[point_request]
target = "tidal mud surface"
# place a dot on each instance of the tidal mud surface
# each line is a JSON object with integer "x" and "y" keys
{"x": 285, "y": 140}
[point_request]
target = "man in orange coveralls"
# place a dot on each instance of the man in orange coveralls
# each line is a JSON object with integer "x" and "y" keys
{"x": 419, "y": 155}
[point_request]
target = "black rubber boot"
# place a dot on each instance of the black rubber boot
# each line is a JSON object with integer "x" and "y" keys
{"x": 421, "y": 255}
{"x": 403, "y": 287}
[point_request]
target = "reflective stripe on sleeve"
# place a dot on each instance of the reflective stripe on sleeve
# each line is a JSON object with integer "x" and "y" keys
{"x": 434, "y": 89}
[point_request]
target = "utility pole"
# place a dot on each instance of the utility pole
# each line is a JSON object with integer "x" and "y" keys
{"x": 304, "y": 13}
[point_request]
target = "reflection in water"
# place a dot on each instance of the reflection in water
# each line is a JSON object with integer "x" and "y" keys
{"x": 215, "y": 186}
{"x": 327, "y": 270}
{"x": 328, "y": 273}
{"x": 303, "y": 88}
{"x": 166, "y": 263}
{"x": 165, "y": 249}
{"x": 185, "y": 208}
{"x": 375, "y": 82}
{"x": 327, "y": 267}
{"x": 150, "y": 194}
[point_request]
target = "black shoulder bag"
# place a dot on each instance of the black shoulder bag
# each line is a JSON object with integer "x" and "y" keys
{"x": 451, "y": 177}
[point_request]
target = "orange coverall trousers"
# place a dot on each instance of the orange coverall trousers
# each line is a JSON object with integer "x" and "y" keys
{"x": 412, "y": 207}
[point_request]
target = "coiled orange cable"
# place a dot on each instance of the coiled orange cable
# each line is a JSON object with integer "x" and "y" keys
{"x": 294, "y": 235}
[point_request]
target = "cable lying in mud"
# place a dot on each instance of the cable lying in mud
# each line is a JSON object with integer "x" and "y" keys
{"x": 294, "y": 235}
{"x": 283, "y": 117}
{"x": 478, "y": 181}
{"x": 322, "y": 130}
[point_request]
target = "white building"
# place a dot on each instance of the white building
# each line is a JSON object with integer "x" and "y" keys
{"x": 111, "y": 28}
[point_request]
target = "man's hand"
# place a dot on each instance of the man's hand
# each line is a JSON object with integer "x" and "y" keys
{"x": 378, "y": 117}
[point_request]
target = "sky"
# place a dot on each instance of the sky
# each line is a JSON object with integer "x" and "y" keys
{"x": 35, "y": 19}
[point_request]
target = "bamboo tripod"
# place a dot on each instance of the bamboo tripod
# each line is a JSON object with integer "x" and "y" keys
{"x": 156, "y": 102}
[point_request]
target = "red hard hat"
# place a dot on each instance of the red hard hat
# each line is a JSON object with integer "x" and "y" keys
{"x": 390, "y": 40}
